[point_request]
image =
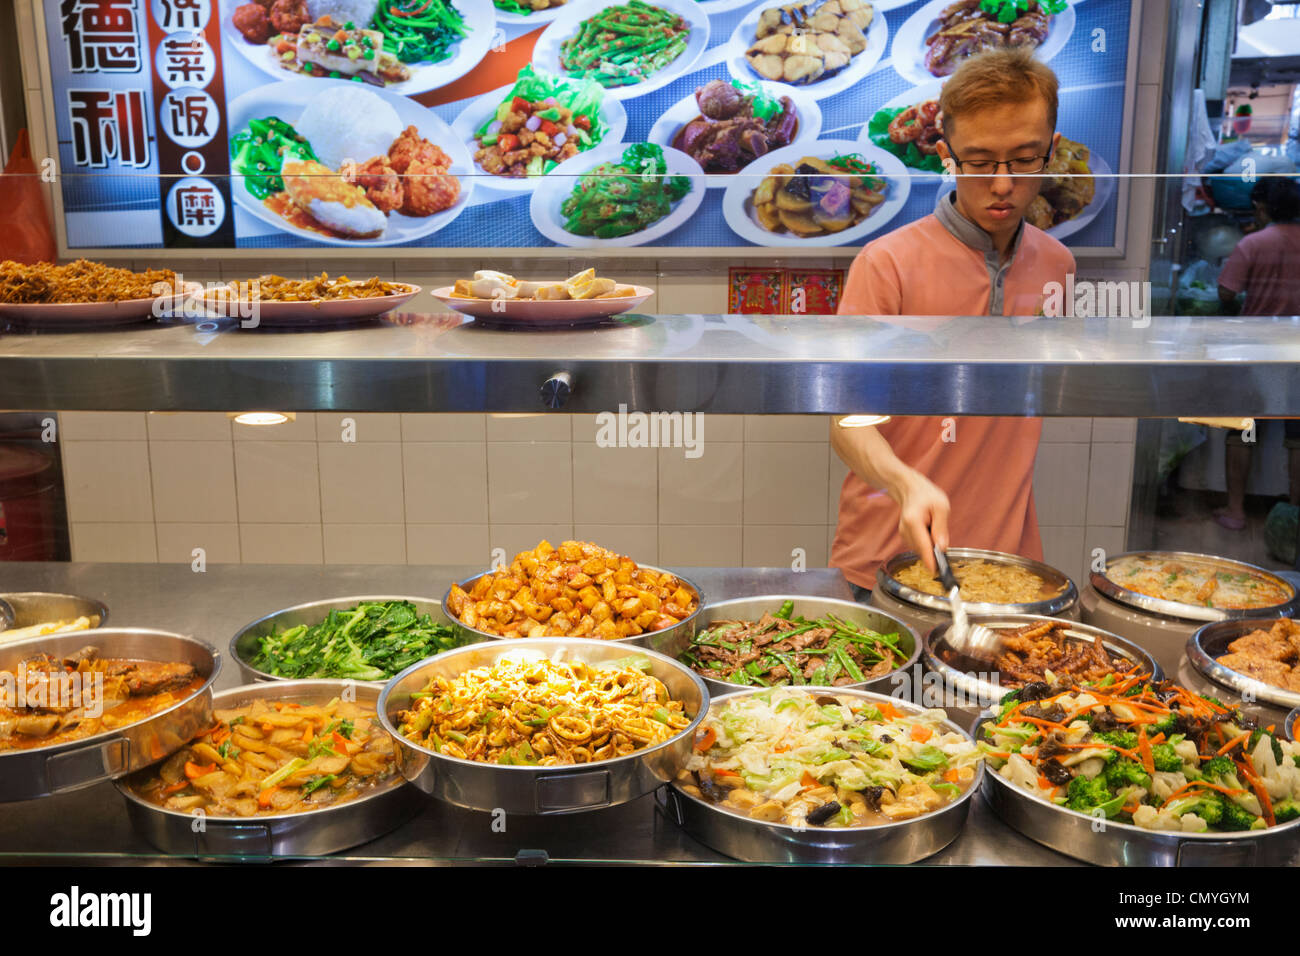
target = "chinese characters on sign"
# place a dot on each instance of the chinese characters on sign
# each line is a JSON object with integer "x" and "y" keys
{"x": 101, "y": 36}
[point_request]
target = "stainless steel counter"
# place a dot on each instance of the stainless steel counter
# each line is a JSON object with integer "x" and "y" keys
{"x": 1160, "y": 367}
{"x": 91, "y": 826}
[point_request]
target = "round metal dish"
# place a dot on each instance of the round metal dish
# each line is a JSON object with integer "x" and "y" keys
{"x": 753, "y": 608}
{"x": 59, "y": 768}
{"x": 245, "y": 644}
{"x": 756, "y": 841}
{"x": 40, "y": 607}
{"x": 655, "y": 640}
{"x": 310, "y": 833}
{"x": 1211, "y": 642}
{"x": 979, "y": 690}
{"x": 1190, "y": 612}
{"x": 542, "y": 790}
{"x": 1064, "y": 593}
{"x": 1110, "y": 843}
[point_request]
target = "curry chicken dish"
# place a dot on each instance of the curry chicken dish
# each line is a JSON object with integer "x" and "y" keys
{"x": 50, "y": 700}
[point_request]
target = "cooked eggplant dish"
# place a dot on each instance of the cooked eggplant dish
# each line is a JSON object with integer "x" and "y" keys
{"x": 796, "y": 757}
{"x": 52, "y": 700}
{"x": 804, "y": 42}
{"x": 274, "y": 757}
{"x": 737, "y": 124}
{"x": 778, "y": 650}
{"x": 1152, "y": 754}
{"x": 816, "y": 197}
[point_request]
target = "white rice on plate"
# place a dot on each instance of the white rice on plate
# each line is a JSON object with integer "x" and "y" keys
{"x": 344, "y": 121}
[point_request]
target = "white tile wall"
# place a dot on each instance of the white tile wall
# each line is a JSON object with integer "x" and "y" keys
{"x": 447, "y": 489}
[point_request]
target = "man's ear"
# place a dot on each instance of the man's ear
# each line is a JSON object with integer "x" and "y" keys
{"x": 1056, "y": 141}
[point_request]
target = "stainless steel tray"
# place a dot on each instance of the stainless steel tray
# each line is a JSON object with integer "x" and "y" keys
{"x": 655, "y": 640}
{"x": 981, "y": 692}
{"x": 1212, "y": 640}
{"x": 1109, "y": 843}
{"x": 1068, "y": 595}
{"x": 312, "y": 833}
{"x": 756, "y": 841}
{"x": 543, "y": 790}
{"x": 38, "y": 607}
{"x": 1190, "y": 612}
{"x": 752, "y": 608}
{"x": 59, "y": 768}
{"x": 244, "y": 645}
{"x": 6, "y": 615}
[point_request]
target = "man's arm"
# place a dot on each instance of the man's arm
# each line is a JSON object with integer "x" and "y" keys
{"x": 923, "y": 507}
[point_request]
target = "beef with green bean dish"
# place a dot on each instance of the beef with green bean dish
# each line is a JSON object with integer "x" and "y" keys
{"x": 780, "y": 650}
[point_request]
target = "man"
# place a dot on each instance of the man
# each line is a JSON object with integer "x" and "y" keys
{"x": 919, "y": 482}
{"x": 1266, "y": 266}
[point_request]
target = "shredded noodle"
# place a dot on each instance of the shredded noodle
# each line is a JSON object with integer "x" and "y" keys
{"x": 77, "y": 282}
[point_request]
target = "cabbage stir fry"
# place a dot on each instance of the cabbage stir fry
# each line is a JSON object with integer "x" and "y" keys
{"x": 1153, "y": 754}
{"x": 789, "y": 756}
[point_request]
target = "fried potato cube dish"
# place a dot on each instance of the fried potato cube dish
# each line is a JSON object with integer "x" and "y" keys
{"x": 577, "y": 590}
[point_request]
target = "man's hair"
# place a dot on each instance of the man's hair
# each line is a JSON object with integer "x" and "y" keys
{"x": 1280, "y": 196}
{"x": 997, "y": 77}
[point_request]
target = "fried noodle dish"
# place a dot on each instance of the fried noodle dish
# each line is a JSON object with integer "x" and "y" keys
{"x": 77, "y": 282}
{"x": 983, "y": 582}
{"x": 272, "y": 757}
{"x": 273, "y": 288}
{"x": 535, "y": 712}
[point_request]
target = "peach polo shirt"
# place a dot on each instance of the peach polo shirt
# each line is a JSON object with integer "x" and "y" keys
{"x": 944, "y": 265}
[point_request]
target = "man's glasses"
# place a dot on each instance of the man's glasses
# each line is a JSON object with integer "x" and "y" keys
{"x": 1016, "y": 166}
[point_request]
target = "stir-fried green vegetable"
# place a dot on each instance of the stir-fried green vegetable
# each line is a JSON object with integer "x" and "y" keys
{"x": 372, "y": 641}
{"x": 625, "y": 44}
{"x": 419, "y": 31}
{"x": 258, "y": 152}
{"x": 617, "y": 199}
{"x": 1007, "y": 11}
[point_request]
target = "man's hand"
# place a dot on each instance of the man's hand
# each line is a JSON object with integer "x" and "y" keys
{"x": 923, "y": 517}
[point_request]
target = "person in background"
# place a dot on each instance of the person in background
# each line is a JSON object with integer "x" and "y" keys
{"x": 1266, "y": 267}
{"x": 923, "y": 481}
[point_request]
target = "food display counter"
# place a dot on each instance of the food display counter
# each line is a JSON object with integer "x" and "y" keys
{"x": 966, "y": 365}
{"x": 729, "y": 364}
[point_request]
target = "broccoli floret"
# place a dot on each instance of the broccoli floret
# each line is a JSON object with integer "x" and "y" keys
{"x": 1213, "y": 700}
{"x": 1089, "y": 795}
{"x": 1221, "y": 770}
{"x": 1236, "y": 817}
{"x": 1286, "y": 810}
{"x": 1007, "y": 703}
{"x": 1166, "y": 758}
{"x": 1206, "y": 804}
{"x": 1119, "y": 738}
{"x": 1125, "y": 773}
{"x": 1165, "y": 725}
{"x": 1277, "y": 747}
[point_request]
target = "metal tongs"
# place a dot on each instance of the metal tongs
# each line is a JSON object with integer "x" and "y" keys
{"x": 970, "y": 640}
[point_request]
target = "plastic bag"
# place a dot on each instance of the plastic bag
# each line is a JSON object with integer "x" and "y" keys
{"x": 1177, "y": 439}
{"x": 1280, "y": 532}
{"x": 26, "y": 231}
{"x": 1198, "y": 290}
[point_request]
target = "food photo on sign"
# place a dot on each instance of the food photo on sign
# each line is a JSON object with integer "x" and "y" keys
{"x": 449, "y": 123}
